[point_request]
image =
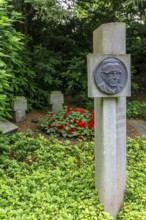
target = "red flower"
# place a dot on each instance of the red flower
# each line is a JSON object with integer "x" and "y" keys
{"x": 53, "y": 119}
{"x": 75, "y": 110}
{"x": 81, "y": 124}
{"x": 91, "y": 121}
{"x": 60, "y": 126}
{"x": 65, "y": 114}
{"x": 68, "y": 109}
{"x": 70, "y": 131}
{"x": 58, "y": 129}
{"x": 91, "y": 124}
{"x": 51, "y": 114}
{"x": 79, "y": 110}
{"x": 49, "y": 126}
{"x": 92, "y": 112}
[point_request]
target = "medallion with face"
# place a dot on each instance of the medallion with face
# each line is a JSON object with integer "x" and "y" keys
{"x": 111, "y": 75}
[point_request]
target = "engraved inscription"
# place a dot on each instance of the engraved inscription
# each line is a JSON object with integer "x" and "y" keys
{"x": 121, "y": 121}
{"x": 110, "y": 75}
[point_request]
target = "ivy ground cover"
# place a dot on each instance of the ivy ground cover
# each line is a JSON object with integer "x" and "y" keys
{"x": 45, "y": 179}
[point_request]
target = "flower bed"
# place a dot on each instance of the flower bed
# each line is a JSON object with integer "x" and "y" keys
{"x": 70, "y": 122}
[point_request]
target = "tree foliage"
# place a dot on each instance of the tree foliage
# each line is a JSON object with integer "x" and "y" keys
{"x": 10, "y": 48}
{"x": 49, "y": 40}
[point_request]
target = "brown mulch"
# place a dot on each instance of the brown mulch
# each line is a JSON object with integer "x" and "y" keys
{"x": 33, "y": 118}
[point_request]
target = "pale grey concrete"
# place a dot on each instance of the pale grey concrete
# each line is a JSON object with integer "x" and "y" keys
{"x": 56, "y": 99}
{"x": 109, "y": 39}
{"x": 6, "y": 127}
{"x": 20, "y": 107}
{"x": 110, "y": 121}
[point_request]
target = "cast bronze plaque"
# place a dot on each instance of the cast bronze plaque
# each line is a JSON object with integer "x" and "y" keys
{"x": 110, "y": 75}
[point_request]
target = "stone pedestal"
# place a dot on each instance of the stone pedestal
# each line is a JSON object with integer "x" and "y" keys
{"x": 110, "y": 117}
{"x": 56, "y": 99}
{"x": 19, "y": 107}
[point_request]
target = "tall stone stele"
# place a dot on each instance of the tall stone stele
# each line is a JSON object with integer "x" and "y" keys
{"x": 109, "y": 85}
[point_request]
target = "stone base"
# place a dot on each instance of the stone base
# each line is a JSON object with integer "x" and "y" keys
{"x": 7, "y": 128}
{"x": 57, "y": 108}
{"x": 19, "y": 115}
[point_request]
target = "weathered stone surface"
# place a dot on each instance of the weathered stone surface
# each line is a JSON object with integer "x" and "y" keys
{"x": 6, "y": 127}
{"x": 110, "y": 119}
{"x": 110, "y": 39}
{"x": 20, "y": 103}
{"x": 56, "y": 99}
{"x": 20, "y": 107}
{"x": 19, "y": 115}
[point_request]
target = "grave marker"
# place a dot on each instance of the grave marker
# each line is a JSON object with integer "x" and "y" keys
{"x": 7, "y": 128}
{"x": 109, "y": 84}
{"x": 56, "y": 99}
{"x": 19, "y": 107}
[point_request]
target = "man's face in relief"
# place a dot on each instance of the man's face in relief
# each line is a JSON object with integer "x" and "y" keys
{"x": 111, "y": 74}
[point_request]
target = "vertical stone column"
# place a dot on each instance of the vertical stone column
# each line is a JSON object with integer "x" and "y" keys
{"x": 110, "y": 127}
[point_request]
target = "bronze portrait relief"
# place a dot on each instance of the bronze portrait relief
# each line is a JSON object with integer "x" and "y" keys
{"x": 110, "y": 75}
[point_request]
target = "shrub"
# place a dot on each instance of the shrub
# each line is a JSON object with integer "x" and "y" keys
{"x": 45, "y": 179}
{"x": 136, "y": 109}
{"x": 15, "y": 73}
{"x": 70, "y": 123}
{"x": 135, "y": 198}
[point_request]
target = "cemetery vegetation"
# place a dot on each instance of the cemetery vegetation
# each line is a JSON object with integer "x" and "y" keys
{"x": 79, "y": 122}
{"x": 44, "y": 45}
{"x": 72, "y": 123}
{"x": 48, "y": 179}
{"x": 136, "y": 109}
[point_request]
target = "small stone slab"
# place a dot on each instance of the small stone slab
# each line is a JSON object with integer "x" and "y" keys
{"x": 139, "y": 126}
{"x": 19, "y": 107}
{"x": 56, "y": 99}
{"x": 7, "y": 127}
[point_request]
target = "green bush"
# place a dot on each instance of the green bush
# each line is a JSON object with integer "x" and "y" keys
{"x": 75, "y": 75}
{"x": 136, "y": 109}
{"x": 16, "y": 77}
{"x": 5, "y": 71}
{"x": 135, "y": 198}
{"x": 47, "y": 179}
